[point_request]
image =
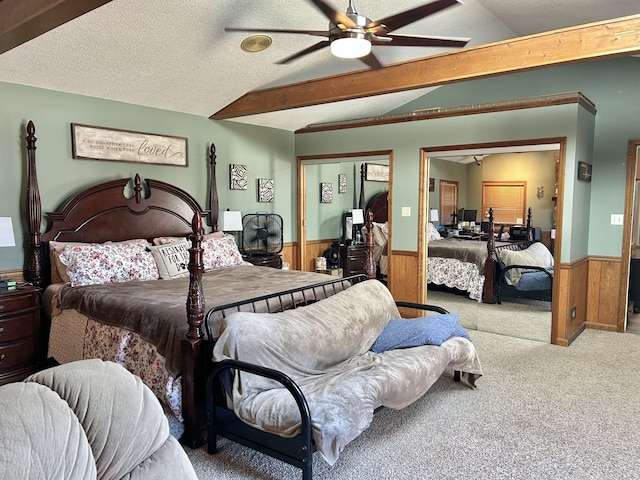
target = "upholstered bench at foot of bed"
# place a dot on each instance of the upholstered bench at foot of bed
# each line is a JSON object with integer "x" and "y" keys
{"x": 324, "y": 350}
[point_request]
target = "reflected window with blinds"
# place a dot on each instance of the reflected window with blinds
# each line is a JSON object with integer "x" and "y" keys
{"x": 507, "y": 200}
{"x": 448, "y": 201}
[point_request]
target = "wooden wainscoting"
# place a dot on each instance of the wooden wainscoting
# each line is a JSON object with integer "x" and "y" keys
{"x": 290, "y": 255}
{"x": 402, "y": 275}
{"x": 12, "y": 275}
{"x": 571, "y": 291}
{"x": 315, "y": 248}
{"x": 605, "y": 309}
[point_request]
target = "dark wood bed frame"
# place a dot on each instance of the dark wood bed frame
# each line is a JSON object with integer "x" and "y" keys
{"x": 152, "y": 209}
{"x": 377, "y": 210}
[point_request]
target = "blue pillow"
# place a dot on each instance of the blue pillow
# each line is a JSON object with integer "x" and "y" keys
{"x": 412, "y": 332}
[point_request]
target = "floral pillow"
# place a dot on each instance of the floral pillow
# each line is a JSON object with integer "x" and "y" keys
{"x": 220, "y": 252}
{"x": 432, "y": 232}
{"x": 108, "y": 263}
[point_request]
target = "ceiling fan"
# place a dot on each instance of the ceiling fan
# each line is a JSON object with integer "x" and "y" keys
{"x": 351, "y": 35}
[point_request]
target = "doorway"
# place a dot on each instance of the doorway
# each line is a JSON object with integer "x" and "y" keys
{"x": 631, "y": 241}
{"x": 485, "y": 316}
{"x": 309, "y": 248}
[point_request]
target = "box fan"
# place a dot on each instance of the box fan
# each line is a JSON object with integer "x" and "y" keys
{"x": 262, "y": 234}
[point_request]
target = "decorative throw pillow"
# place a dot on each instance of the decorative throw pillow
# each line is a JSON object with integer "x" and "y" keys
{"x": 108, "y": 263}
{"x": 166, "y": 240}
{"x": 432, "y": 232}
{"x": 59, "y": 269}
{"x": 536, "y": 255}
{"x": 172, "y": 259}
{"x": 220, "y": 252}
{"x": 413, "y": 332}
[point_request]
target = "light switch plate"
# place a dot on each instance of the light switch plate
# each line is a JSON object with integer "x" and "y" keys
{"x": 406, "y": 211}
{"x": 617, "y": 219}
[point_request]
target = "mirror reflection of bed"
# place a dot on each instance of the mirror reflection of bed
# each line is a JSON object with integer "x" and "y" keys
{"x": 521, "y": 314}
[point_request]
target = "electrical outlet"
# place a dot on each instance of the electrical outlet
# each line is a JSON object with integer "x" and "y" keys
{"x": 406, "y": 211}
{"x": 573, "y": 312}
{"x": 617, "y": 219}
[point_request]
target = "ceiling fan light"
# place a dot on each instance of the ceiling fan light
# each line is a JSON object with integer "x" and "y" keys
{"x": 350, "y": 47}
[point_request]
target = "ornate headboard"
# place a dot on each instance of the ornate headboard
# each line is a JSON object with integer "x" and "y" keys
{"x": 115, "y": 210}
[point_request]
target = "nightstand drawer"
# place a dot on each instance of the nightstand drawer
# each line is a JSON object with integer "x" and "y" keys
{"x": 17, "y": 301}
{"x": 24, "y": 324}
{"x": 18, "y": 354}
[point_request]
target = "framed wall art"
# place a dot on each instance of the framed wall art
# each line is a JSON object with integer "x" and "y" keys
{"x": 326, "y": 192}
{"x": 238, "y": 177}
{"x": 374, "y": 172}
{"x": 584, "y": 171}
{"x": 342, "y": 183}
{"x": 99, "y": 143}
{"x": 265, "y": 190}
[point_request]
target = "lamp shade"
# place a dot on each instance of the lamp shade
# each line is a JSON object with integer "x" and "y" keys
{"x": 231, "y": 221}
{"x": 433, "y": 215}
{"x": 357, "y": 215}
{"x": 6, "y": 233}
{"x": 351, "y": 45}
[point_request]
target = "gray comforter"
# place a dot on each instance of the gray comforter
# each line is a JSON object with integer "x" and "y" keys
{"x": 157, "y": 309}
{"x": 325, "y": 349}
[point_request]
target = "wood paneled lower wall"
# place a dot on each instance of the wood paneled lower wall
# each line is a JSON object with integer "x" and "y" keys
{"x": 12, "y": 275}
{"x": 590, "y": 284}
{"x": 313, "y": 249}
{"x": 606, "y": 309}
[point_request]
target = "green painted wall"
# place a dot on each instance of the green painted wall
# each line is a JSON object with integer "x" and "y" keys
{"x": 406, "y": 139}
{"x": 324, "y": 220}
{"x": 535, "y": 168}
{"x": 612, "y": 85}
{"x": 268, "y": 153}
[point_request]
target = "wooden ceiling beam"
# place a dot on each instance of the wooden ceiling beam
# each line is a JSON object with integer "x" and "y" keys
{"x": 23, "y": 20}
{"x": 595, "y": 41}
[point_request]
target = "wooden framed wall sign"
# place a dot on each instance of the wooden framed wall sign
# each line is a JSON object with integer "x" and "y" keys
{"x": 98, "y": 143}
{"x": 376, "y": 173}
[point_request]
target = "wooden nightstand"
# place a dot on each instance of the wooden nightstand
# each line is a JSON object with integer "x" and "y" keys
{"x": 353, "y": 258}
{"x": 273, "y": 261}
{"x": 22, "y": 347}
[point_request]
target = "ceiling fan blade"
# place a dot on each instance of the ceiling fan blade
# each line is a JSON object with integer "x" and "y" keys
{"x": 319, "y": 33}
{"x": 371, "y": 61}
{"x": 389, "y": 24}
{"x": 419, "y": 41}
{"x": 313, "y": 48}
{"x": 335, "y": 16}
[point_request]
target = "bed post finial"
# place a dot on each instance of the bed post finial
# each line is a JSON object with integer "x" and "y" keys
{"x": 361, "y": 202}
{"x": 490, "y": 263}
{"x": 213, "y": 190}
{"x": 195, "y": 301}
{"x": 34, "y": 210}
{"x": 369, "y": 263}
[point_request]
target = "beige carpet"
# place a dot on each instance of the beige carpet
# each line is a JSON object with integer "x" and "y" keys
{"x": 528, "y": 319}
{"x": 540, "y": 412}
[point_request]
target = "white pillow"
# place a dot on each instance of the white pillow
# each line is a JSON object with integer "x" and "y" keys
{"x": 172, "y": 259}
{"x": 536, "y": 255}
{"x": 432, "y": 232}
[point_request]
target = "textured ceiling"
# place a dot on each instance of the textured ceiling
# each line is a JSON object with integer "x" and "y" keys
{"x": 175, "y": 55}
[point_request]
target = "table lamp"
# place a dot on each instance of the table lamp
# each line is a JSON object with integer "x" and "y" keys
{"x": 6, "y": 236}
{"x": 357, "y": 219}
{"x": 231, "y": 221}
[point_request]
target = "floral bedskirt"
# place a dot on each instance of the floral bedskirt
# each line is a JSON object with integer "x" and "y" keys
{"x": 456, "y": 274}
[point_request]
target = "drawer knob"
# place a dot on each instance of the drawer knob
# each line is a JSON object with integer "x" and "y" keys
{"x": 1, "y": 330}
{"x": 1, "y": 358}
{"x": 1, "y": 306}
